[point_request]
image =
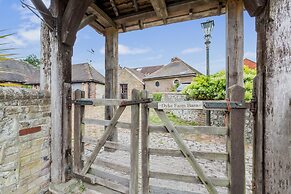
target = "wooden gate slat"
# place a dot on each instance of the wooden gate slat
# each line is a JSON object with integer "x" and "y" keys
{"x": 103, "y": 139}
{"x": 186, "y": 151}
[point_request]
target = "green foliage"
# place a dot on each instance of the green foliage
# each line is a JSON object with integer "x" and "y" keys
{"x": 157, "y": 97}
{"x": 213, "y": 87}
{"x": 174, "y": 87}
{"x": 4, "y": 50}
{"x": 33, "y": 60}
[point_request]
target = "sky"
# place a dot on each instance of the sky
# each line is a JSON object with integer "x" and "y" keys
{"x": 152, "y": 46}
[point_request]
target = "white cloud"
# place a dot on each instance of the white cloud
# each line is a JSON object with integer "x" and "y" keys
{"x": 192, "y": 50}
{"x": 125, "y": 50}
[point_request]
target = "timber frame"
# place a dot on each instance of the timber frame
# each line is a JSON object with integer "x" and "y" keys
{"x": 110, "y": 17}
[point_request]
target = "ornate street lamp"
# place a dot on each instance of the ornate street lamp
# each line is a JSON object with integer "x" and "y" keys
{"x": 207, "y": 28}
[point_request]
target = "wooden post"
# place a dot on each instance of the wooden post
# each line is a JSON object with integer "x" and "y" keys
{"x": 78, "y": 130}
{"x": 144, "y": 144}
{"x": 45, "y": 68}
{"x": 274, "y": 61}
{"x": 134, "y": 144}
{"x": 234, "y": 42}
{"x": 235, "y": 143}
{"x": 111, "y": 73}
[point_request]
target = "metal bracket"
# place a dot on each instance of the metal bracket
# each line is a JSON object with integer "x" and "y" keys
{"x": 253, "y": 106}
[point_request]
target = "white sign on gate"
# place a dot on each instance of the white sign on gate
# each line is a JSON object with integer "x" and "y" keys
{"x": 181, "y": 105}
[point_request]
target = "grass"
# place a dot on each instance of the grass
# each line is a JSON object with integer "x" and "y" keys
{"x": 155, "y": 120}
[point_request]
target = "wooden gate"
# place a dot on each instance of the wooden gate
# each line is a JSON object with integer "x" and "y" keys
{"x": 234, "y": 132}
{"x": 83, "y": 167}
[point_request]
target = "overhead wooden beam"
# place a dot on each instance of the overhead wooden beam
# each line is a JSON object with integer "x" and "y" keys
{"x": 86, "y": 21}
{"x": 101, "y": 15}
{"x": 255, "y": 7}
{"x": 72, "y": 18}
{"x": 98, "y": 27}
{"x": 114, "y": 7}
{"x": 160, "y": 8}
{"x": 44, "y": 12}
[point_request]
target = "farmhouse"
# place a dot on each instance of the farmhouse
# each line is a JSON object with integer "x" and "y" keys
{"x": 170, "y": 75}
{"x": 87, "y": 78}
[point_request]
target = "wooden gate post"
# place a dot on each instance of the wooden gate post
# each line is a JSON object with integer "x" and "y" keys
{"x": 134, "y": 144}
{"x": 144, "y": 144}
{"x": 235, "y": 143}
{"x": 111, "y": 73}
{"x": 78, "y": 130}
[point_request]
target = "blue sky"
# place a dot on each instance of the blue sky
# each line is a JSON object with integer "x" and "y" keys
{"x": 153, "y": 46}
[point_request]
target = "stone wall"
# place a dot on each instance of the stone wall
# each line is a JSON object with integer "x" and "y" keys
{"x": 24, "y": 141}
{"x": 198, "y": 116}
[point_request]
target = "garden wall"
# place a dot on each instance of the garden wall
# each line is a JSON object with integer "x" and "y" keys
{"x": 198, "y": 116}
{"x": 24, "y": 141}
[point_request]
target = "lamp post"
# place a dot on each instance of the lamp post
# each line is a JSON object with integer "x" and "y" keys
{"x": 207, "y": 28}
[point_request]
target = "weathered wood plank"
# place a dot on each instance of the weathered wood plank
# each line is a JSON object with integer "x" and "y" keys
{"x": 101, "y": 15}
{"x": 107, "y": 183}
{"x": 102, "y": 140}
{"x": 235, "y": 143}
{"x": 114, "y": 7}
{"x": 201, "y": 155}
{"x": 134, "y": 144}
{"x": 160, "y": 8}
{"x": 208, "y": 130}
{"x": 106, "y": 123}
{"x": 255, "y": 7}
{"x": 186, "y": 151}
{"x": 108, "y": 176}
{"x": 72, "y": 18}
{"x": 145, "y": 144}
{"x": 111, "y": 73}
{"x": 188, "y": 178}
{"x": 77, "y": 134}
{"x": 164, "y": 190}
{"x": 108, "y": 144}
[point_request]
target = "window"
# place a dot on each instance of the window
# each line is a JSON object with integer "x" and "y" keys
{"x": 157, "y": 84}
{"x": 124, "y": 91}
{"x": 176, "y": 82}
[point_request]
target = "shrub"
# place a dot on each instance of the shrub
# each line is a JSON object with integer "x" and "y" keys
{"x": 157, "y": 97}
{"x": 214, "y": 87}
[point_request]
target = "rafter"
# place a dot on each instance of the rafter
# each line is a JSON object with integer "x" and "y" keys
{"x": 72, "y": 18}
{"x": 44, "y": 12}
{"x": 160, "y": 8}
{"x": 135, "y": 5}
{"x": 101, "y": 15}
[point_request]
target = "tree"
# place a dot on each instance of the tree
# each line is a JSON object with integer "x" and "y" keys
{"x": 214, "y": 87}
{"x": 33, "y": 60}
{"x": 3, "y": 49}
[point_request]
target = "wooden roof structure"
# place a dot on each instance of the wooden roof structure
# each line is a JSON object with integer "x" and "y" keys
{"x": 129, "y": 15}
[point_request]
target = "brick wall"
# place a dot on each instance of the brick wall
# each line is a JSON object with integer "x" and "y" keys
{"x": 24, "y": 141}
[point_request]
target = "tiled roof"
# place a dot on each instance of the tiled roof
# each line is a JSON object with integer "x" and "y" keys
{"x": 19, "y": 72}
{"x": 84, "y": 72}
{"x": 249, "y": 63}
{"x": 176, "y": 67}
{"x": 148, "y": 69}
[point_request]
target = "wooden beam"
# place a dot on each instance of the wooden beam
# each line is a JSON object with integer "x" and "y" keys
{"x": 255, "y": 7}
{"x": 72, "y": 18}
{"x": 235, "y": 143}
{"x": 160, "y": 8}
{"x": 101, "y": 15}
{"x": 86, "y": 21}
{"x": 111, "y": 72}
{"x": 97, "y": 27}
{"x": 234, "y": 42}
{"x": 44, "y": 12}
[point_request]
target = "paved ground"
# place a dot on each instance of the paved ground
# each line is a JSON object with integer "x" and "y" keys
{"x": 170, "y": 164}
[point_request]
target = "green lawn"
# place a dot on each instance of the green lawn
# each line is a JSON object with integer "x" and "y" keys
{"x": 155, "y": 120}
